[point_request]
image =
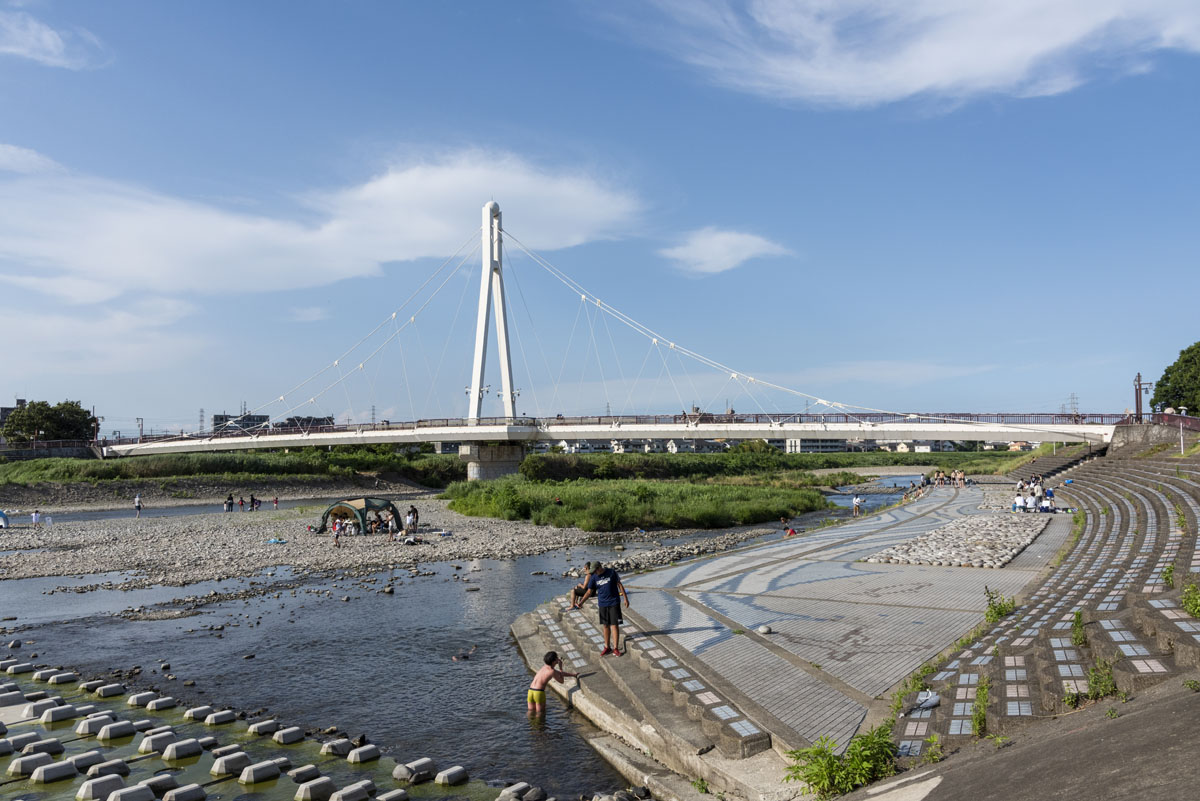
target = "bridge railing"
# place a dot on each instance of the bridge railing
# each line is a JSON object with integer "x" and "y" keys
{"x": 1188, "y": 422}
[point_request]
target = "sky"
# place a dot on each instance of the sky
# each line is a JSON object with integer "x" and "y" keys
{"x": 926, "y": 206}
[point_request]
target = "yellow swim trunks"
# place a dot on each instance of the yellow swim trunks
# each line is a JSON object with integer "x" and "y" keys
{"x": 535, "y": 696}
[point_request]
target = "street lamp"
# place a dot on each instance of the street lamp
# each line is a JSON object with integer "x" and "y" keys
{"x": 1140, "y": 388}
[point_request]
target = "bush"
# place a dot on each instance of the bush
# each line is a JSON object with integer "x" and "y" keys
{"x": 869, "y": 757}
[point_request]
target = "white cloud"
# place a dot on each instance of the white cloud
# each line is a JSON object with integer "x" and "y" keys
{"x": 25, "y": 161}
{"x": 711, "y": 250}
{"x": 867, "y": 52}
{"x": 24, "y": 36}
{"x": 60, "y": 229}
{"x": 309, "y": 314}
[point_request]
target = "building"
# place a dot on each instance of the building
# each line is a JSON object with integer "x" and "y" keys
{"x": 306, "y": 422}
{"x": 816, "y": 446}
{"x": 240, "y": 422}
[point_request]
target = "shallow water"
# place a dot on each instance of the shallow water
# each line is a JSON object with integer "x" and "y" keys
{"x": 379, "y": 664}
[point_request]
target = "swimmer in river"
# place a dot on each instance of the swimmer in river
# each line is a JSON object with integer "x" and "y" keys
{"x": 464, "y": 655}
{"x": 535, "y": 699}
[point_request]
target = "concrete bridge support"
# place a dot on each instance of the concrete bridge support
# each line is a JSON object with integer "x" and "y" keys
{"x": 486, "y": 460}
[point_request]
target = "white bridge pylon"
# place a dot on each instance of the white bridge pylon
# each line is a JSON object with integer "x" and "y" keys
{"x": 491, "y": 298}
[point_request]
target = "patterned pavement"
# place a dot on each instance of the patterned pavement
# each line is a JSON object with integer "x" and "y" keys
{"x": 843, "y": 632}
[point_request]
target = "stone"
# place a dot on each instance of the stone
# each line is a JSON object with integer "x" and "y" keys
{"x": 764, "y": 629}
{"x": 160, "y": 784}
{"x": 116, "y": 730}
{"x": 20, "y": 667}
{"x": 230, "y": 764}
{"x": 292, "y": 734}
{"x": 159, "y": 704}
{"x": 136, "y": 792}
{"x": 188, "y": 792}
{"x": 259, "y": 772}
{"x": 140, "y": 699}
{"x": 451, "y": 776}
{"x": 93, "y": 725}
{"x": 54, "y": 772}
{"x": 182, "y": 749}
{"x": 641, "y": 792}
{"x": 304, "y": 773}
{"x": 24, "y": 766}
{"x": 49, "y": 746}
{"x": 115, "y": 767}
{"x": 225, "y": 750}
{"x": 399, "y": 794}
{"x": 99, "y": 788}
{"x": 59, "y": 713}
{"x": 220, "y": 718}
{"x": 66, "y": 677}
{"x": 264, "y": 727}
{"x": 515, "y": 790}
{"x": 198, "y": 713}
{"x": 85, "y": 760}
{"x": 109, "y": 690}
{"x": 339, "y": 747}
{"x": 315, "y": 790}
{"x": 366, "y": 753}
{"x": 156, "y": 743}
{"x": 12, "y": 698}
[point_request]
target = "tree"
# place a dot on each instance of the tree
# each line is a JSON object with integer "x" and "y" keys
{"x": 40, "y": 421}
{"x": 1180, "y": 382}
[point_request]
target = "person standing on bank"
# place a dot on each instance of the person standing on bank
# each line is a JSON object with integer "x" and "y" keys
{"x": 137, "y": 504}
{"x": 606, "y": 585}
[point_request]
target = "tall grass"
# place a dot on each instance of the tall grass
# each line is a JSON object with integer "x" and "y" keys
{"x": 619, "y": 505}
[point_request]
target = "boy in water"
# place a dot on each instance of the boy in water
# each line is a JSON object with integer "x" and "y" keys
{"x": 552, "y": 669}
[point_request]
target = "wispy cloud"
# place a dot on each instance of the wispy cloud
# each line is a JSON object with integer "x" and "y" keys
{"x": 24, "y": 36}
{"x": 25, "y": 161}
{"x": 58, "y": 228}
{"x": 868, "y": 52}
{"x": 712, "y": 250}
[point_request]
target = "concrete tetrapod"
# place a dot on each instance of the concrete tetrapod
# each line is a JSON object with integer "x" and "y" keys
{"x": 182, "y": 749}
{"x": 359, "y": 791}
{"x": 159, "y": 704}
{"x": 50, "y": 746}
{"x": 315, "y": 790}
{"x": 304, "y": 773}
{"x": 154, "y": 743}
{"x": 515, "y": 790}
{"x": 12, "y": 698}
{"x": 230, "y": 764}
{"x": 44, "y": 675}
{"x": 36, "y": 709}
{"x": 225, "y": 750}
{"x": 20, "y": 667}
{"x": 116, "y": 730}
{"x": 99, "y": 788}
{"x": 292, "y": 734}
{"x": 54, "y": 772}
{"x": 399, "y": 794}
{"x": 58, "y": 713}
{"x": 264, "y": 727}
{"x": 339, "y": 747}
{"x": 198, "y": 713}
{"x": 91, "y": 686}
{"x": 63, "y": 678}
{"x": 220, "y": 718}
{"x": 451, "y": 776}
{"x": 415, "y": 772}
{"x": 140, "y": 699}
{"x": 160, "y": 784}
{"x": 366, "y": 753}
{"x": 188, "y": 792}
{"x": 22, "y": 767}
{"x": 259, "y": 772}
{"x": 19, "y": 741}
{"x": 109, "y": 690}
{"x": 89, "y": 726}
{"x": 85, "y": 760}
{"x": 116, "y": 767}
{"x": 137, "y": 792}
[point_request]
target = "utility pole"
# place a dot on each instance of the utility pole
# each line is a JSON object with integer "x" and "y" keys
{"x": 1139, "y": 387}
{"x": 139, "y": 422}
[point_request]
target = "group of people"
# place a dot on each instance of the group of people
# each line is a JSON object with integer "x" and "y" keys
{"x": 956, "y": 478}
{"x": 605, "y": 584}
{"x": 243, "y": 505}
{"x": 404, "y": 530}
{"x": 1033, "y": 496}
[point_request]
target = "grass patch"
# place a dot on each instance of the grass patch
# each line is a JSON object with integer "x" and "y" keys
{"x": 1078, "y": 635}
{"x": 998, "y": 606}
{"x": 869, "y": 757}
{"x": 979, "y": 708}
{"x": 1191, "y": 600}
{"x": 1100, "y": 680}
{"x": 616, "y": 505}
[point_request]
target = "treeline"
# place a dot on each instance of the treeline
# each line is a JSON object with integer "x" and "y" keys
{"x": 569, "y": 466}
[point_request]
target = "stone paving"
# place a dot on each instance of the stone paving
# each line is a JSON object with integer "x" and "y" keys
{"x": 842, "y": 631}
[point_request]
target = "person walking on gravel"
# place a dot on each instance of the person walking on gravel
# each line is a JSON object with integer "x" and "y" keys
{"x": 137, "y": 504}
{"x": 606, "y": 585}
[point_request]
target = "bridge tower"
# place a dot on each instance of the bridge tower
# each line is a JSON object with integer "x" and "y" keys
{"x": 494, "y": 459}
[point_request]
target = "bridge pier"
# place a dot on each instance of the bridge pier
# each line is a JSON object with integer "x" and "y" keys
{"x": 487, "y": 460}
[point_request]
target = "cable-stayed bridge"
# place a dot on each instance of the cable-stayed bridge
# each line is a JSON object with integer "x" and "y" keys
{"x": 494, "y": 445}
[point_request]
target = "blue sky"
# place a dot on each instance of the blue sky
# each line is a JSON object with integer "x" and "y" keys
{"x": 925, "y": 206}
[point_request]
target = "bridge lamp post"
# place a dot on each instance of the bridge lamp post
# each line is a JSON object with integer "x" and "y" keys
{"x": 516, "y": 393}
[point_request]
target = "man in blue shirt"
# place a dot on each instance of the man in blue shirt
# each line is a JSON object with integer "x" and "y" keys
{"x": 608, "y": 589}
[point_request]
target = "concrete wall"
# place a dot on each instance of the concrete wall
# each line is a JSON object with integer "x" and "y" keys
{"x": 1130, "y": 440}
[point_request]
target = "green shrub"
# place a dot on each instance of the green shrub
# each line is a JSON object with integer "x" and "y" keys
{"x": 1100, "y": 680}
{"x": 870, "y": 756}
{"x": 997, "y": 605}
{"x": 979, "y": 709}
{"x": 1168, "y": 576}
{"x": 1078, "y": 635}
{"x": 1191, "y": 600}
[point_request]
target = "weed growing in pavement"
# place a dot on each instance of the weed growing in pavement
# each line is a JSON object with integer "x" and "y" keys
{"x": 869, "y": 756}
{"x": 1078, "y": 635}
{"x": 997, "y": 605}
{"x": 933, "y": 750}
{"x": 979, "y": 710}
{"x": 1191, "y": 600}
{"x": 1071, "y": 699}
{"x": 1100, "y": 680}
{"x": 1192, "y": 685}
{"x": 1104, "y": 510}
{"x": 997, "y": 740}
{"x": 1112, "y": 713}
{"x": 701, "y": 786}
{"x": 1168, "y": 576}
{"x": 914, "y": 683}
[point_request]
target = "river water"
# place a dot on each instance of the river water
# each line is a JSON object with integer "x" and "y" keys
{"x": 376, "y": 664}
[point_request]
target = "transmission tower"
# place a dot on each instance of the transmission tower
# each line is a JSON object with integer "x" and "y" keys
{"x": 201, "y": 427}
